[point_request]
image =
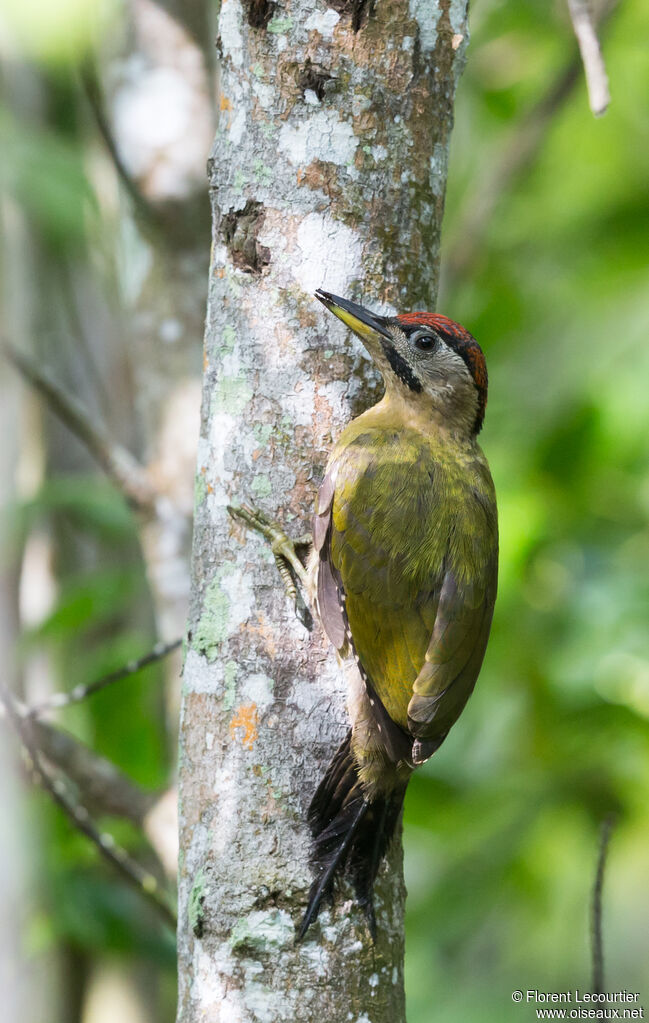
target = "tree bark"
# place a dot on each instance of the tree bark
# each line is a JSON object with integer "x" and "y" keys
{"x": 328, "y": 169}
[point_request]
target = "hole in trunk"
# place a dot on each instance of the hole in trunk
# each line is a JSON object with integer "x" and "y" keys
{"x": 315, "y": 79}
{"x": 239, "y": 229}
{"x": 258, "y": 12}
{"x": 355, "y": 8}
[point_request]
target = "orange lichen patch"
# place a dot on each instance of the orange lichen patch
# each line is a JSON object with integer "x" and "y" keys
{"x": 219, "y": 271}
{"x": 226, "y": 107}
{"x": 246, "y": 719}
{"x": 210, "y": 488}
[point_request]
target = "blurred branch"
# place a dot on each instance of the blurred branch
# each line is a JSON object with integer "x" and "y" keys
{"x": 596, "y": 909}
{"x": 103, "y": 788}
{"x": 59, "y": 700}
{"x": 160, "y": 825}
{"x": 516, "y": 157}
{"x": 67, "y": 271}
{"x": 584, "y": 24}
{"x": 118, "y": 463}
{"x": 136, "y": 875}
{"x": 96, "y": 103}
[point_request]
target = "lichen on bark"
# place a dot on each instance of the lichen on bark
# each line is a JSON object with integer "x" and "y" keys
{"x": 328, "y": 169}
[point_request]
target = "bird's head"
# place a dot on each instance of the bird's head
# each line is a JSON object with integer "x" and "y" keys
{"x": 427, "y": 359}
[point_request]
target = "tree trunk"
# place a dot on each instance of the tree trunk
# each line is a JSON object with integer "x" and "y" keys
{"x": 328, "y": 169}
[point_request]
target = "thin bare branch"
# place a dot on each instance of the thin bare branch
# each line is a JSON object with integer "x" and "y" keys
{"x": 81, "y": 692}
{"x": 105, "y": 790}
{"x": 118, "y": 463}
{"x": 101, "y": 786}
{"x": 136, "y": 875}
{"x": 584, "y": 24}
{"x": 160, "y": 825}
{"x": 596, "y": 907}
{"x": 96, "y": 104}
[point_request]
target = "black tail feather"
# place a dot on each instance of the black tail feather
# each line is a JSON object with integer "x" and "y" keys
{"x": 369, "y": 849}
{"x": 350, "y": 835}
{"x": 323, "y": 883}
{"x": 338, "y": 782}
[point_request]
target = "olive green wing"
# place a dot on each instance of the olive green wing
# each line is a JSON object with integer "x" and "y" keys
{"x": 331, "y": 600}
{"x": 455, "y": 654}
{"x": 369, "y": 598}
{"x": 329, "y": 590}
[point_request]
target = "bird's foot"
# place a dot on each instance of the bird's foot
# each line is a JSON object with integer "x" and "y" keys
{"x": 289, "y": 565}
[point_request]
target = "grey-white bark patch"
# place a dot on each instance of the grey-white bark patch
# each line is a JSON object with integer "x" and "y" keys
{"x": 323, "y": 136}
{"x": 346, "y": 172}
{"x": 263, "y": 930}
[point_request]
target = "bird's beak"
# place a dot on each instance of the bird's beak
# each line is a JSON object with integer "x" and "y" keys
{"x": 364, "y": 323}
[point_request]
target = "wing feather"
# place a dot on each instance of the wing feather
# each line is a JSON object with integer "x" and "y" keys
{"x": 454, "y": 655}
{"x": 329, "y": 588}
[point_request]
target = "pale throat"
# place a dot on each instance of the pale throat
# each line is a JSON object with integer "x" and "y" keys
{"x": 443, "y": 408}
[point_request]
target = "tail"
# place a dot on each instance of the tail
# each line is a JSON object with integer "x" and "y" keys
{"x": 350, "y": 835}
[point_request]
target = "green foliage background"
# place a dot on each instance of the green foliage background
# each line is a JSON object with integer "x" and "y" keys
{"x": 501, "y": 828}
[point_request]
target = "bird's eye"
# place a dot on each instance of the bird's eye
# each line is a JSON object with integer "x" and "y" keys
{"x": 424, "y": 342}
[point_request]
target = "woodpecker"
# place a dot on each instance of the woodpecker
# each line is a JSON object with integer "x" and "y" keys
{"x": 403, "y": 572}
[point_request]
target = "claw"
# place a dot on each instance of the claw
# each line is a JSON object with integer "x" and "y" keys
{"x": 284, "y": 551}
